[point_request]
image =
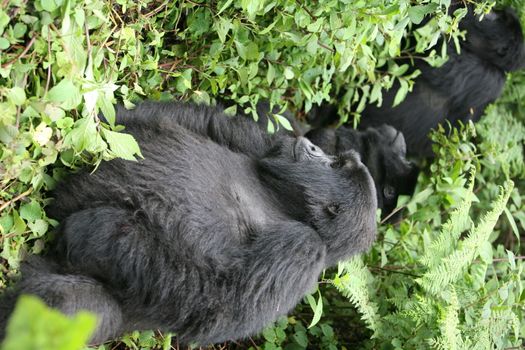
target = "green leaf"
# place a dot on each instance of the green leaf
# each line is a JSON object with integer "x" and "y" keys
{"x": 418, "y": 12}
{"x": 30, "y": 211}
{"x": 66, "y": 94}
{"x": 39, "y": 227}
{"x": 17, "y": 95}
{"x": 199, "y": 22}
{"x": 19, "y": 30}
{"x": 252, "y": 6}
{"x": 4, "y": 21}
{"x": 122, "y": 145}
{"x": 283, "y": 121}
{"x": 269, "y": 334}
{"x": 107, "y": 108}
{"x": 252, "y": 51}
{"x": 225, "y": 6}
{"x": 317, "y": 308}
{"x": 270, "y": 74}
{"x": 222, "y": 27}
{"x": 401, "y": 93}
{"x": 35, "y": 326}
{"x": 6, "y": 222}
{"x": 184, "y": 81}
{"x": 48, "y": 5}
{"x": 288, "y": 73}
{"x": 4, "y": 44}
{"x": 270, "y": 128}
{"x": 84, "y": 136}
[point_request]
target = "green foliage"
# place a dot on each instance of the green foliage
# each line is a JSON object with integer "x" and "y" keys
{"x": 449, "y": 275}
{"x": 442, "y": 288}
{"x": 34, "y": 326}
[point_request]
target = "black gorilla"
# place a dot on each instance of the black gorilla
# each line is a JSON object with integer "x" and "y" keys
{"x": 457, "y": 91}
{"x": 382, "y": 150}
{"x": 219, "y": 230}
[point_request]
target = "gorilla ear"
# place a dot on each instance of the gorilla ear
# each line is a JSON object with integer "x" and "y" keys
{"x": 394, "y": 137}
{"x": 399, "y": 144}
{"x": 334, "y": 209}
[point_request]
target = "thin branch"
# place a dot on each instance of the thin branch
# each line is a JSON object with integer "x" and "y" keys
{"x": 157, "y": 10}
{"x": 48, "y": 80}
{"x": 22, "y": 54}
{"x": 392, "y": 214}
{"x": 324, "y": 46}
{"x": 253, "y": 343}
{"x": 17, "y": 198}
{"x": 395, "y": 271}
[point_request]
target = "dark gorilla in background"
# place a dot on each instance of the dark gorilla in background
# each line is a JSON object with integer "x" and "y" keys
{"x": 457, "y": 91}
{"x": 383, "y": 151}
{"x": 219, "y": 230}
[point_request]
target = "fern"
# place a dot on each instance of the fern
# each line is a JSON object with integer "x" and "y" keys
{"x": 505, "y": 145}
{"x": 354, "y": 285}
{"x": 450, "y": 338}
{"x": 502, "y": 322}
{"x": 454, "y": 265}
{"x": 458, "y": 222}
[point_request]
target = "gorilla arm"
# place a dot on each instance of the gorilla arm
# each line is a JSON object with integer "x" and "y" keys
{"x": 238, "y": 133}
{"x": 267, "y": 277}
{"x": 279, "y": 267}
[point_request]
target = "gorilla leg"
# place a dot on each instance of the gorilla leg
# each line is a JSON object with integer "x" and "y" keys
{"x": 68, "y": 293}
{"x": 117, "y": 246}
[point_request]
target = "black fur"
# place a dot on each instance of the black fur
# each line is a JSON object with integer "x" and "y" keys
{"x": 457, "y": 91}
{"x": 219, "y": 230}
{"x": 383, "y": 151}
{"x": 461, "y": 88}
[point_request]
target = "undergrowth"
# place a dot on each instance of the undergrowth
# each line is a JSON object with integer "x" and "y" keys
{"x": 448, "y": 275}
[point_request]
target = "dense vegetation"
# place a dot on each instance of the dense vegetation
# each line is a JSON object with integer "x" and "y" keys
{"x": 447, "y": 276}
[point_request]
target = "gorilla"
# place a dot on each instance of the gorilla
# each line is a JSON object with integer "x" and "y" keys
{"x": 215, "y": 233}
{"x": 383, "y": 151}
{"x": 459, "y": 90}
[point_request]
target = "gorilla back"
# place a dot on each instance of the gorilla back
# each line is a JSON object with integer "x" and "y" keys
{"x": 218, "y": 231}
{"x": 459, "y": 90}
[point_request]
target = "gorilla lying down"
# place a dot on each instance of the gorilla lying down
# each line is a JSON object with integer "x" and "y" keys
{"x": 218, "y": 231}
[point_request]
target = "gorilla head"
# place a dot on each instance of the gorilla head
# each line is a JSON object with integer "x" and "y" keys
{"x": 383, "y": 151}
{"x": 497, "y": 38}
{"x": 321, "y": 189}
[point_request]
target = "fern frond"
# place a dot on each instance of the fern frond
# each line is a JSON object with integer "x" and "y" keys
{"x": 354, "y": 285}
{"x": 448, "y": 325}
{"x": 502, "y": 323}
{"x": 458, "y": 222}
{"x": 454, "y": 265}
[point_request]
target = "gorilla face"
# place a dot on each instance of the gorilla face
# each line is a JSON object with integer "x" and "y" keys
{"x": 332, "y": 193}
{"x": 393, "y": 174}
{"x": 383, "y": 151}
{"x": 497, "y": 38}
